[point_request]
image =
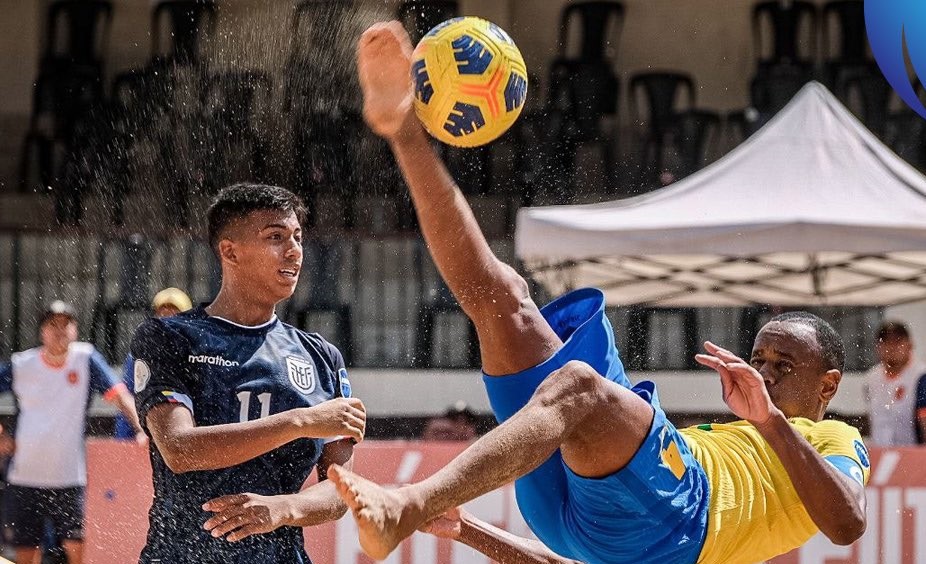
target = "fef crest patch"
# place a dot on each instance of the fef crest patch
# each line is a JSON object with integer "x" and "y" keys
{"x": 301, "y": 374}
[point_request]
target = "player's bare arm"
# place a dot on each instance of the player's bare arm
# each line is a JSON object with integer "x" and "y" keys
{"x": 242, "y": 515}
{"x": 186, "y": 447}
{"x": 499, "y": 545}
{"x": 492, "y": 294}
{"x": 834, "y": 501}
{"x": 124, "y": 401}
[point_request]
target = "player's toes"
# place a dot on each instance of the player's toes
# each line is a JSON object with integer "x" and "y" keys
{"x": 347, "y": 485}
{"x": 336, "y": 473}
{"x": 342, "y": 486}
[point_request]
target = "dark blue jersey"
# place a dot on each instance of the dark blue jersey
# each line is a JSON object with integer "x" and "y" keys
{"x": 227, "y": 373}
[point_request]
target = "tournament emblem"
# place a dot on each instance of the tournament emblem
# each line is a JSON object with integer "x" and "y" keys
{"x": 862, "y": 453}
{"x": 142, "y": 375}
{"x": 345, "y": 383}
{"x": 301, "y": 374}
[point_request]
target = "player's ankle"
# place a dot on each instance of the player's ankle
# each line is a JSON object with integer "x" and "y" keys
{"x": 414, "y": 505}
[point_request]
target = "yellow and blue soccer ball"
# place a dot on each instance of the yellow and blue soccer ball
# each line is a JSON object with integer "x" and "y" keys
{"x": 470, "y": 81}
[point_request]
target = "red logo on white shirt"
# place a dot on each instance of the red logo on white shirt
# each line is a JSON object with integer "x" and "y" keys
{"x": 72, "y": 377}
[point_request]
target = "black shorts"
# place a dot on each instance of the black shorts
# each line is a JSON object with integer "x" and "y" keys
{"x": 27, "y": 511}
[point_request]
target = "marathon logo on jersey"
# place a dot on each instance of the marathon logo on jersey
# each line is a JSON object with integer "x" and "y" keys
{"x": 213, "y": 360}
{"x": 301, "y": 374}
{"x": 345, "y": 383}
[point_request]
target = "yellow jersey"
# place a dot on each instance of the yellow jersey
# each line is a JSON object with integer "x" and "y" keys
{"x": 754, "y": 511}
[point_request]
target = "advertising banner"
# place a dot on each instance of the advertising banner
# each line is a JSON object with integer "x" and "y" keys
{"x": 119, "y": 495}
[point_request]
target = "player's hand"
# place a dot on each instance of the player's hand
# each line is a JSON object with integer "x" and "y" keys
{"x": 340, "y": 417}
{"x": 384, "y": 64}
{"x": 242, "y": 515}
{"x": 743, "y": 387}
{"x": 447, "y": 526}
{"x": 7, "y": 445}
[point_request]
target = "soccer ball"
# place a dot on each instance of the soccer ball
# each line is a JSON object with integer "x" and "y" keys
{"x": 470, "y": 81}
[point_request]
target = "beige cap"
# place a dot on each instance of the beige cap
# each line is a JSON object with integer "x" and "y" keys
{"x": 172, "y": 296}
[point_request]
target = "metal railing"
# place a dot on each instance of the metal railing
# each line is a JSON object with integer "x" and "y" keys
{"x": 379, "y": 298}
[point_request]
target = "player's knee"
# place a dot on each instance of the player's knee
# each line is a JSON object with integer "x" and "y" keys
{"x": 575, "y": 388}
{"x": 508, "y": 293}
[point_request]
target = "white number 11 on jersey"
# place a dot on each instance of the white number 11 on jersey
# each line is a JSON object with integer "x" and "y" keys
{"x": 245, "y": 399}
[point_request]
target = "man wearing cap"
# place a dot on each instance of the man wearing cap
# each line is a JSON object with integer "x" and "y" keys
{"x": 166, "y": 303}
{"x": 47, "y": 476}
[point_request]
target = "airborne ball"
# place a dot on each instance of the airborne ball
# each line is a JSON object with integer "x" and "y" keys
{"x": 470, "y": 81}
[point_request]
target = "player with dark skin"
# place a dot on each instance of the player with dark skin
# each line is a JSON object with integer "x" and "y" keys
{"x": 596, "y": 424}
{"x": 261, "y": 257}
{"x": 786, "y": 360}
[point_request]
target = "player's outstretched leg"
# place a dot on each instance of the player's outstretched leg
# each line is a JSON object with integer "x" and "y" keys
{"x": 521, "y": 347}
{"x": 513, "y": 335}
{"x": 572, "y": 409}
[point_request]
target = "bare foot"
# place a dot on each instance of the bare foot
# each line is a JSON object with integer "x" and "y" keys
{"x": 384, "y": 517}
{"x": 384, "y": 64}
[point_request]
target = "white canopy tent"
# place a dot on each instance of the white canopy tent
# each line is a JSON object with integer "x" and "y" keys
{"x": 811, "y": 210}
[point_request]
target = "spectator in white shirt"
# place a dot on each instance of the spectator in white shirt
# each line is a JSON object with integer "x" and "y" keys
{"x": 47, "y": 477}
{"x": 892, "y": 387}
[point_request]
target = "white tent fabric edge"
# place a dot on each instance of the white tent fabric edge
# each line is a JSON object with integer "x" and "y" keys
{"x": 813, "y": 209}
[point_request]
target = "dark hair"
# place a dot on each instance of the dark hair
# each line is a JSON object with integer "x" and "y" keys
{"x": 834, "y": 352}
{"x": 239, "y": 200}
{"x": 890, "y": 330}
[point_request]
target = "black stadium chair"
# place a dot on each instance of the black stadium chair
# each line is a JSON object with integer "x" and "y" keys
{"x": 793, "y": 27}
{"x": 132, "y": 297}
{"x": 600, "y": 24}
{"x": 188, "y": 23}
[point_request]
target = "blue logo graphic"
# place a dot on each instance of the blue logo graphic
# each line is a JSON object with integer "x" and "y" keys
{"x": 345, "y": 383}
{"x": 893, "y": 26}
{"x": 471, "y": 55}
{"x": 862, "y": 453}
{"x": 464, "y": 119}
{"x": 423, "y": 88}
{"x": 515, "y": 92}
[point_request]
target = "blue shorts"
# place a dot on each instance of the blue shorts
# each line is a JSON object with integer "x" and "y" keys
{"x": 654, "y": 510}
{"x": 29, "y": 512}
